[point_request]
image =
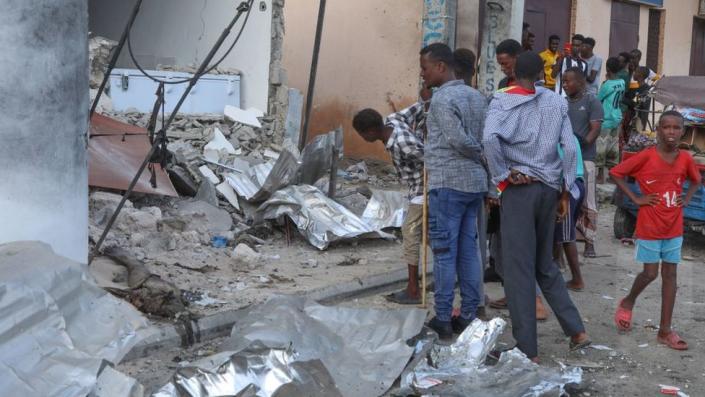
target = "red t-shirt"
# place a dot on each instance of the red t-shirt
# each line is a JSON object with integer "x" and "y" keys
{"x": 654, "y": 175}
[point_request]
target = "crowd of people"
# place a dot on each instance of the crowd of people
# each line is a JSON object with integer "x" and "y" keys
{"x": 510, "y": 182}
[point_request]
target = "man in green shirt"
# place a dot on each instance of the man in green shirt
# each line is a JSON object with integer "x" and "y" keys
{"x": 610, "y": 95}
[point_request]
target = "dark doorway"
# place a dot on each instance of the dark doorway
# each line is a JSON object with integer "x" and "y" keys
{"x": 548, "y": 17}
{"x": 697, "y": 48}
{"x": 624, "y": 27}
{"x": 653, "y": 46}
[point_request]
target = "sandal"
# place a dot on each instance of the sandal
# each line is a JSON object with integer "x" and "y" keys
{"x": 580, "y": 345}
{"x": 623, "y": 318}
{"x": 403, "y": 298}
{"x": 589, "y": 252}
{"x": 500, "y": 304}
{"x": 672, "y": 340}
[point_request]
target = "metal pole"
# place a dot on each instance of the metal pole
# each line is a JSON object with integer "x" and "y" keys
{"x": 312, "y": 76}
{"x": 116, "y": 55}
{"x": 424, "y": 239}
{"x": 244, "y": 6}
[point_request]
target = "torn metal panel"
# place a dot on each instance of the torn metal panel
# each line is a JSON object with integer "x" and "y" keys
{"x": 56, "y": 325}
{"x": 257, "y": 183}
{"x": 254, "y": 371}
{"x": 317, "y": 156}
{"x": 113, "y": 383}
{"x": 320, "y": 219}
{"x": 386, "y": 208}
{"x": 116, "y": 151}
{"x": 363, "y": 350}
{"x": 459, "y": 369}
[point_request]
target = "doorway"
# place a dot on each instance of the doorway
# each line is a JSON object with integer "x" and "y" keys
{"x": 624, "y": 27}
{"x": 697, "y": 49}
{"x": 548, "y": 17}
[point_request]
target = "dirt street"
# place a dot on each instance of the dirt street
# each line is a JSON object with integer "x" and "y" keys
{"x": 620, "y": 365}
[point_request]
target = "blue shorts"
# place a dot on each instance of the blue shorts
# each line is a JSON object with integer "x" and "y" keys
{"x": 655, "y": 251}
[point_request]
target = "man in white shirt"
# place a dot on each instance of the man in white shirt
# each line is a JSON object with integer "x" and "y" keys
{"x": 569, "y": 59}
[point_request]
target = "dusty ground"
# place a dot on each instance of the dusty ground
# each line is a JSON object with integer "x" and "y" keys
{"x": 635, "y": 365}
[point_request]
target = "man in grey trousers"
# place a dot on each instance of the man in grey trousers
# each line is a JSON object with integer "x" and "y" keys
{"x": 524, "y": 129}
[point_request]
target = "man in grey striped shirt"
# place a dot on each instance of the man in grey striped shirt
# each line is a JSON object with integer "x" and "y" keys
{"x": 457, "y": 183}
{"x": 525, "y": 126}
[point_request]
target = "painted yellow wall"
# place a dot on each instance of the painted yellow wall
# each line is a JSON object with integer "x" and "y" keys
{"x": 369, "y": 52}
{"x": 678, "y": 36}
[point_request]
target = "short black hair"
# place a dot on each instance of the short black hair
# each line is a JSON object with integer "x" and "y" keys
{"x": 613, "y": 65}
{"x": 367, "y": 119}
{"x": 465, "y": 61}
{"x": 439, "y": 52}
{"x": 509, "y": 47}
{"x": 553, "y": 37}
{"x": 644, "y": 70}
{"x": 579, "y": 74}
{"x": 589, "y": 41}
{"x": 637, "y": 52}
{"x": 525, "y": 26}
{"x": 627, "y": 56}
{"x": 671, "y": 113}
{"x": 578, "y": 37}
{"x": 529, "y": 66}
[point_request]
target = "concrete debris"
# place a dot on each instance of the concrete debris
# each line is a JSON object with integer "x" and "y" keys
{"x": 203, "y": 217}
{"x": 208, "y": 174}
{"x": 218, "y": 147}
{"x": 99, "y": 49}
{"x": 227, "y": 191}
{"x": 248, "y": 117}
{"x": 243, "y": 255}
{"x": 207, "y": 193}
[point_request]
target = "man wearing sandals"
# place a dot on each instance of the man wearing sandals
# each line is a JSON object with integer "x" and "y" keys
{"x": 660, "y": 171}
{"x": 523, "y": 129}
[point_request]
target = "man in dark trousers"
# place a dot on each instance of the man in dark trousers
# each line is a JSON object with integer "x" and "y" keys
{"x": 524, "y": 128}
{"x": 457, "y": 183}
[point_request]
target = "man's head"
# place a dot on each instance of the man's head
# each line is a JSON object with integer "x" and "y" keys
{"x": 507, "y": 52}
{"x": 587, "y": 47}
{"x": 577, "y": 41}
{"x": 573, "y": 81}
{"x": 624, "y": 59}
{"x": 529, "y": 67}
{"x": 636, "y": 57}
{"x": 670, "y": 129}
{"x": 613, "y": 66}
{"x": 525, "y": 31}
{"x": 554, "y": 42}
{"x": 369, "y": 124}
{"x": 641, "y": 74}
{"x": 437, "y": 64}
{"x": 530, "y": 42}
{"x": 464, "y": 64}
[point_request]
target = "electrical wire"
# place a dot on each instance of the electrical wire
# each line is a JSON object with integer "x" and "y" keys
{"x": 198, "y": 76}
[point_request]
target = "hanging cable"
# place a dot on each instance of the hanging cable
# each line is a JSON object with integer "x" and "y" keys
{"x": 208, "y": 70}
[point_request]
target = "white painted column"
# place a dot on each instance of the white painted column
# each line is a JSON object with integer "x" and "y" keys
{"x": 43, "y": 124}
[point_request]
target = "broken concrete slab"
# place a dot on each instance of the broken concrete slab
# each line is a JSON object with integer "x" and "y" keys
{"x": 218, "y": 147}
{"x": 203, "y": 217}
{"x": 229, "y": 194}
{"x": 243, "y": 255}
{"x": 249, "y": 116}
{"x": 207, "y": 193}
{"x": 209, "y": 174}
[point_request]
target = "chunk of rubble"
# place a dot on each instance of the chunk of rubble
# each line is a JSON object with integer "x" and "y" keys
{"x": 243, "y": 255}
{"x": 218, "y": 147}
{"x": 248, "y": 117}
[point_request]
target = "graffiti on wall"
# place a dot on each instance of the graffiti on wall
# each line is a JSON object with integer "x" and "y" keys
{"x": 438, "y": 22}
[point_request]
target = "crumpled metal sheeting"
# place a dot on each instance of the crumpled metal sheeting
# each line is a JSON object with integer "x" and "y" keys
{"x": 257, "y": 183}
{"x": 364, "y": 350}
{"x": 385, "y": 209}
{"x": 459, "y": 369}
{"x": 255, "y": 371}
{"x": 56, "y": 325}
{"x": 320, "y": 219}
{"x": 317, "y": 156}
{"x": 113, "y": 383}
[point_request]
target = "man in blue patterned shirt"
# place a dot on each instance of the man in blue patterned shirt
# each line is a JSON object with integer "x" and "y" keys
{"x": 525, "y": 125}
{"x": 458, "y": 184}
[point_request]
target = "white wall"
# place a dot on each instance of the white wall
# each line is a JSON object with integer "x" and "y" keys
{"x": 181, "y": 32}
{"x": 678, "y": 36}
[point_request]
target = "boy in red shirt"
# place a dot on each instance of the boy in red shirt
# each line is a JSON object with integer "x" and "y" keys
{"x": 660, "y": 171}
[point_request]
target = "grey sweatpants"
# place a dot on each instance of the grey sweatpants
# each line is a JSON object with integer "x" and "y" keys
{"x": 528, "y": 219}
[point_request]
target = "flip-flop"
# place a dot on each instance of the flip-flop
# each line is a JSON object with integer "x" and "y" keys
{"x": 579, "y": 345}
{"x": 623, "y": 317}
{"x": 573, "y": 288}
{"x": 500, "y": 304}
{"x": 673, "y": 340}
{"x": 590, "y": 253}
{"x": 402, "y": 298}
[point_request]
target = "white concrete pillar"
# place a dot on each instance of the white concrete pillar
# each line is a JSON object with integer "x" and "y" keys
{"x": 503, "y": 20}
{"x": 43, "y": 124}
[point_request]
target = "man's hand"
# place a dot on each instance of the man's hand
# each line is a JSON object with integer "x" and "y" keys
{"x": 491, "y": 202}
{"x": 563, "y": 206}
{"x": 517, "y": 178}
{"x": 651, "y": 199}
